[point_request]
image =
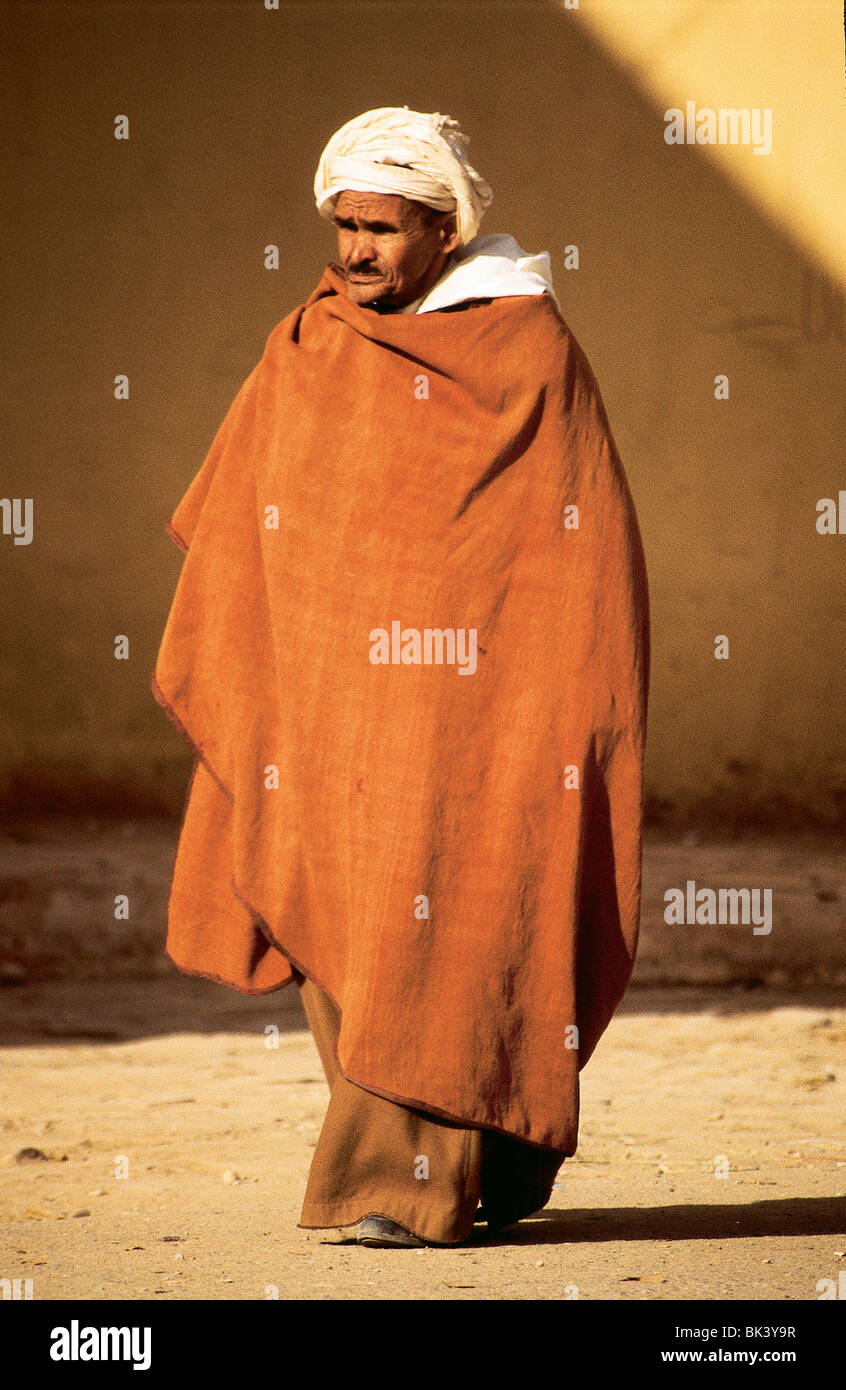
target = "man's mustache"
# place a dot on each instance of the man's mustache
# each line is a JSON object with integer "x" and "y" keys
{"x": 365, "y": 268}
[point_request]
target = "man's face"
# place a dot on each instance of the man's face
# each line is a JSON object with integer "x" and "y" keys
{"x": 391, "y": 249}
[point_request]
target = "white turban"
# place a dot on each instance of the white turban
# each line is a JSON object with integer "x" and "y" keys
{"x": 419, "y": 156}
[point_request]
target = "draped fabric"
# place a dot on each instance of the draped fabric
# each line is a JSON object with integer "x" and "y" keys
{"x": 409, "y": 646}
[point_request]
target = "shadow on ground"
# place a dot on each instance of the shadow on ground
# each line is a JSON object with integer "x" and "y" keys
{"x": 68, "y": 1011}
{"x": 791, "y": 1216}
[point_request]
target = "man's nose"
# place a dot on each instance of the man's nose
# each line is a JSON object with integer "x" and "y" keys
{"x": 363, "y": 248}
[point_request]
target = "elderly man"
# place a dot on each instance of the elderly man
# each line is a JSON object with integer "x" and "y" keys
{"x": 409, "y": 647}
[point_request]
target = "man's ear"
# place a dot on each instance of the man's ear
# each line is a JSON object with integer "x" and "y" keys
{"x": 450, "y": 239}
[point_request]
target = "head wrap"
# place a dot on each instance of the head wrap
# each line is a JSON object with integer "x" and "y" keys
{"x": 417, "y": 155}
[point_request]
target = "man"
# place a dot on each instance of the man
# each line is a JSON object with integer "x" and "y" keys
{"x": 409, "y": 647}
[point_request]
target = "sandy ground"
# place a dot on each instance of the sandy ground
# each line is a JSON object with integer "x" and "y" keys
{"x": 174, "y": 1135}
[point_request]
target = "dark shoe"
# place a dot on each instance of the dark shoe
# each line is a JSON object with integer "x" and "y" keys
{"x": 500, "y": 1222}
{"x": 490, "y": 1221}
{"x": 383, "y": 1232}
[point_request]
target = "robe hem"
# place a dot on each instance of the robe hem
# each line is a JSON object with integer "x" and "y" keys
{"x": 221, "y": 980}
{"x": 175, "y": 536}
{"x": 162, "y": 699}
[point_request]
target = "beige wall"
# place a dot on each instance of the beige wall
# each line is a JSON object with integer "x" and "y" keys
{"x": 146, "y": 257}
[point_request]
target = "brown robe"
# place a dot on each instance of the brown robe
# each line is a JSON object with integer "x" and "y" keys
{"x": 453, "y": 857}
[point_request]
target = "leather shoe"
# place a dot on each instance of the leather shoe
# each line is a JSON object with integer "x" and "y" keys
{"x": 383, "y": 1232}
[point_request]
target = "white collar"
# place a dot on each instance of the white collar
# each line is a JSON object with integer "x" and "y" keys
{"x": 488, "y": 267}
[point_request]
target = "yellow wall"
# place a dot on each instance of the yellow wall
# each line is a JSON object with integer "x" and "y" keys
{"x": 785, "y": 55}
{"x": 146, "y": 257}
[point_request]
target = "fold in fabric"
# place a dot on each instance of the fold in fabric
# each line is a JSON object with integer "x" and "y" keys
{"x": 452, "y": 855}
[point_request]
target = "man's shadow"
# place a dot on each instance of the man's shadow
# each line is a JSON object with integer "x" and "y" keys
{"x": 787, "y": 1216}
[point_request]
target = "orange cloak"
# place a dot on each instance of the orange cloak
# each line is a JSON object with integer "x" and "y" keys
{"x": 453, "y": 855}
